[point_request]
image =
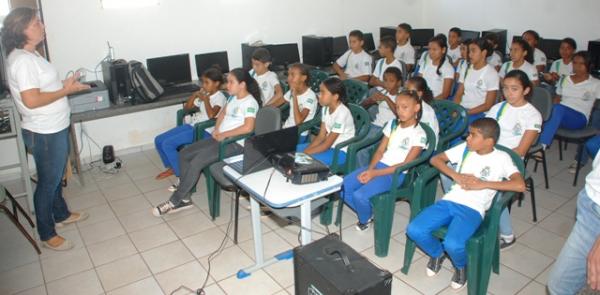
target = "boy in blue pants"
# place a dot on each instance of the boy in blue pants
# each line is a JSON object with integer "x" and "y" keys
{"x": 481, "y": 171}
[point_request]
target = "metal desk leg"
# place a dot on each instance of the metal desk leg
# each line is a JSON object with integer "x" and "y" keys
{"x": 305, "y": 220}
{"x": 74, "y": 153}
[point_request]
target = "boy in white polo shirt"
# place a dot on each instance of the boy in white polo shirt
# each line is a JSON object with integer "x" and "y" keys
{"x": 356, "y": 63}
{"x": 270, "y": 88}
{"x": 404, "y": 50}
{"x": 387, "y": 45}
{"x": 482, "y": 171}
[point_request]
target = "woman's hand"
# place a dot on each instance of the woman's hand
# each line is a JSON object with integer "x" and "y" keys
{"x": 72, "y": 84}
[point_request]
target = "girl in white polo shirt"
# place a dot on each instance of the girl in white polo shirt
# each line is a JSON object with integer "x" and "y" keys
{"x": 562, "y": 67}
{"x": 521, "y": 56}
{"x": 403, "y": 141}
{"x": 436, "y": 68}
{"x": 539, "y": 57}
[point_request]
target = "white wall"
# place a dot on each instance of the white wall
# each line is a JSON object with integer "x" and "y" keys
{"x": 554, "y": 19}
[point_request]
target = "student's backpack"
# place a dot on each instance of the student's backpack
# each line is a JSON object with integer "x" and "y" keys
{"x": 146, "y": 86}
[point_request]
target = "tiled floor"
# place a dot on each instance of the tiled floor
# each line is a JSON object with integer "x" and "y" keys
{"x": 123, "y": 249}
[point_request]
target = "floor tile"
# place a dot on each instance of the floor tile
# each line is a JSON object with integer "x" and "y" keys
{"x": 417, "y": 279}
{"x": 167, "y": 256}
{"x": 121, "y": 191}
{"x": 147, "y": 286}
{"x": 101, "y": 231}
{"x": 21, "y": 278}
{"x": 122, "y": 272}
{"x": 188, "y": 225}
{"x": 152, "y": 237}
{"x": 131, "y": 205}
{"x": 191, "y": 275}
{"x": 111, "y": 250}
{"x": 65, "y": 264}
{"x": 227, "y": 263}
{"x": 525, "y": 260}
{"x": 139, "y": 220}
{"x": 84, "y": 283}
{"x": 258, "y": 282}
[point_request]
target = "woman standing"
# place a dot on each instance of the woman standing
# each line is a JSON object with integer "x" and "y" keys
{"x": 41, "y": 100}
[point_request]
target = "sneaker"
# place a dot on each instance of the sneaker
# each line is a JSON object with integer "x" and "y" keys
{"x": 459, "y": 279}
{"x": 363, "y": 227}
{"x": 507, "y": 243}
{"x": 573, "y": 167}
{"x": 168, "y": 208}
{"x": 434, "y": 265}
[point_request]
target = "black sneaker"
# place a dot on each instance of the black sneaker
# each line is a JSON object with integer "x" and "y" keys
{"x": 363, "y": 226}
{"x": 459, "y": 279}
{"x": 434, "y": 265}
{"x": 167, "y": 207}
{"x": 504, "y": 245}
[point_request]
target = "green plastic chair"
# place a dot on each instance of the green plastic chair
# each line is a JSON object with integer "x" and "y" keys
{"x": 483, "y": 247}
{"x": 414, "y": 183}
{"x": 452, "y": 119}
{"x": 355, "y": 90}
{"x": 316, "y": 78}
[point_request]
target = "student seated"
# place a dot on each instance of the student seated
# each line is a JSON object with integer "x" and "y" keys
{"x": 337, "y": 123}
{"x": 539, "y": 57}
{"x": 429, "y": 117}
{"x": 494, "y": 59}
{"x": 520, "y": 123}
{"x": 356, "y": 63}
{"x": 270, "y": 89}
{"x": 237, "y": 118}
{"x": 521, "y": 57}
{"x": 208, "y": 101}
{"x": 562, "y": 67}
{"x": 302, "y": 100}
{"x": 454, "y": 41}
{"x": 381, "y": 107}
{"x": 403, "y": 141}
{"x": 482, "y": 171}
{"x": 479, "y": 82}
{"x": 463, "y": 62}
{"x": 575, "y": 99}
{"x": 435, "y": 67}
{"x": 404, "y": 52}
{"x": 387, "y": 46}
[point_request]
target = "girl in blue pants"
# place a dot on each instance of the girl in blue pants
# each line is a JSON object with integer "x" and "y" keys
{"x": 208, "y": 101}
{"x": 403, "y": 141}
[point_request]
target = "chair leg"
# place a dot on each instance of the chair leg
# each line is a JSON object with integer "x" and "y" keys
{"x": 340, "y": 209}
{"x": 531, "y": 188}
{"x": 14, "y": 220}
{"x": 545, "y": 167}
{"x": 383, "y": 212}
{"x": 237, "y": 215}
{"x": 17, "y": 206}
{"x": 579, "y": 151}
{"x": 560, "y": 143}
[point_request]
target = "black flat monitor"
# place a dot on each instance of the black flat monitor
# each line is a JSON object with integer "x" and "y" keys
{"x": 259, "y": 148}
{"x": 284, "y": 55}
{"x": 340, "y": 46}
{"x": 387, "y": 31}
{"x": 247, "y": 52}
{"x": 421, "y": 37}
{"x": 472, "y": 35}
{"x": 369, "y": 42}
{"x": 170, "y": 70}
{"x": 551, "y": 48}
{"x": 316, "y": 50}
{"x": 205, "y": 61}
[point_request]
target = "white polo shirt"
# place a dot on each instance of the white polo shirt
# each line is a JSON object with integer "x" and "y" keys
{"x": 454, "y": 54}
{"x": 539, "y": 58}
{"x": 529, "y": 69}
{"x": 381, "y": 65}
{"x": 581, "y": 96}
{"x": 562, "y": 69}
{"x": 355, "y": 64}
{"x": 400, "y": 142}
{"x": 341, "y": 122}
{"x": 428, "y": 71}
{"x": 307, "y": 100}
{"x": 514, "y": 121}
{"x": 267, "y": 83}
{"x": 217, "y": 99}
{"x": 405, "y": 53}
{"x": 477, "y": 83}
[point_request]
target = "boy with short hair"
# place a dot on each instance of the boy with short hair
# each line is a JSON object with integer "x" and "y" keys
{"x": 404, "y": 50}
{"x": 454, "y": 39}
{"x": 270, "y": 88}
{"x": 387, "y": 46}
{"x": 355, "y": 63}
{"x": 482, "y": 171}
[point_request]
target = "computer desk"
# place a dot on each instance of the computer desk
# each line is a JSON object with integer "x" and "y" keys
{"x": 280, "y": 194}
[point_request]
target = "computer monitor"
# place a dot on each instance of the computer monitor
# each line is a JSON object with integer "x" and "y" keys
{"x": 284, "y": 55}
{"x": 247, "y": 51}
{"x": 316, "y": 50}
{"x": 205, "y": 61}
{"x": 340, "y": 46}
{"x": 421, "y": 37}
{"x": 594, "y": 51}
{"x": 550, "y": 47}
{"x": 369, "y": 43}
{"x": 170, "y": 70}
{"x": 387, "y": 31}
{"x": 466, "y": 35}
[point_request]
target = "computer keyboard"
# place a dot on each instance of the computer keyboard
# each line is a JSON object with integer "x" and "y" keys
{"x": 179, "y": 89}
{"x": 238, "y": 166}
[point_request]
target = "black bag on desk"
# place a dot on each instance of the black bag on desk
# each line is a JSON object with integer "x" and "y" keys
{"x": 146, "y": 87}
{"x": 330, "y": 267}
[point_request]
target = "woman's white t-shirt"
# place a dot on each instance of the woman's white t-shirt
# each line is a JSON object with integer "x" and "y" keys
{"x": 27, "y": 70}
{"x": 217, "y": 99}
{"x": 341, "y": 122}
{"x": 428, "y": 117}
{"x": 405, "y": 53}
{"x": 477, "y": 83}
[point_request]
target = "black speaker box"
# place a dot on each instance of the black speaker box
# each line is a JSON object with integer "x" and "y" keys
{"x": 317, "y": 50}
{"x": 594, "y": 51}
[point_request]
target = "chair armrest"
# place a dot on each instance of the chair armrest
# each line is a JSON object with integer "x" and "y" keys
{"x": 308, "y": 125}
{"x": 199, "y": 128}
{"x": 418, "y": 161}
{"x": 181, "y": 113}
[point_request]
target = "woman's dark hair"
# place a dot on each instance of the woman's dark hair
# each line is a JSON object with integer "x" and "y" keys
{"x": 214, "y": 74}
{"x": 252, "y": 87}
{"x": 395, "y": 71}
{"x": 587, "y": 60}
{"x": 304, "y": 71}
{"x": 441, "y": 41}
{"x": 484, "y": 44}
{"x": 13, "y": 28}
{"x": 523, "y": 79}
{"x": 456, "y": 30}
{"x": 336, "y": 86}
{"x": 421, "y": 85}
{"x": 414, "y": 96}
{"x": 570, "y": 41}
{"x": 525, "y": 46}
{"x": 261, "y": 54}
{"x": 533, "y": 34}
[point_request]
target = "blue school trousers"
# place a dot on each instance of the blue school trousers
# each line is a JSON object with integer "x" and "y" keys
{"x": 325, "y": 157}
{"x": 562, "y": 117}
{"x": 462, "y": 222}
{"x": 358, "y": 195}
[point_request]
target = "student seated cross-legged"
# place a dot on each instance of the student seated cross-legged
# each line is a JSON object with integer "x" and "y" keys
{"x": 237, "y": 118}
{"x": 270, "y": 89}
{"x": 337, "y": 123}
{"x": 521, "y": 57}
{"x": 208, "y": 101}
{"x": 356, "y": 63}
{"x": 482, "y": 171}
{"x": 403, "y": 141}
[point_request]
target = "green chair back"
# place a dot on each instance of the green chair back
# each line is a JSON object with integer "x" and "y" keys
{"x": 355, "y": 90}
{"x": 452, "y": 119}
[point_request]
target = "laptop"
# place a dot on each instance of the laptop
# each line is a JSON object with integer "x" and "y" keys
{"x": 258, "y": 149}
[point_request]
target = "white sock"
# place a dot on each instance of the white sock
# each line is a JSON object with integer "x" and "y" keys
{"x": 508, "y": 238}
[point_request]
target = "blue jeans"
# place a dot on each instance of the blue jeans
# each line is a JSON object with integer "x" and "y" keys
{"x": 325, "y": 157}
{"x": 569, "y": 273}
{"x": 358, "y": 196}
{"x": 562, "y": 117}
{"x": 50, "y": 152}
{"x": 168, "y": 142}
{"x": 462, "y": 222}
{"x": 363, "y": 157}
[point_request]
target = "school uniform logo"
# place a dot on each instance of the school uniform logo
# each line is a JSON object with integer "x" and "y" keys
{"x": 404, "y": 143}
{"x": 479, "y": 84}
{"x": 251, "y": 110}
{"x": 264, "y": 86}
{"x": 337, "y": 125}
{"x": 587, "y": 96}
{"x": 517, "y": 129}
{"x": 485, "y": 173}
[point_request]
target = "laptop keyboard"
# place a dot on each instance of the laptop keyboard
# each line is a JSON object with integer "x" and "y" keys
{"x": 180, "y": 89}
{"x": 238, "y": 166}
